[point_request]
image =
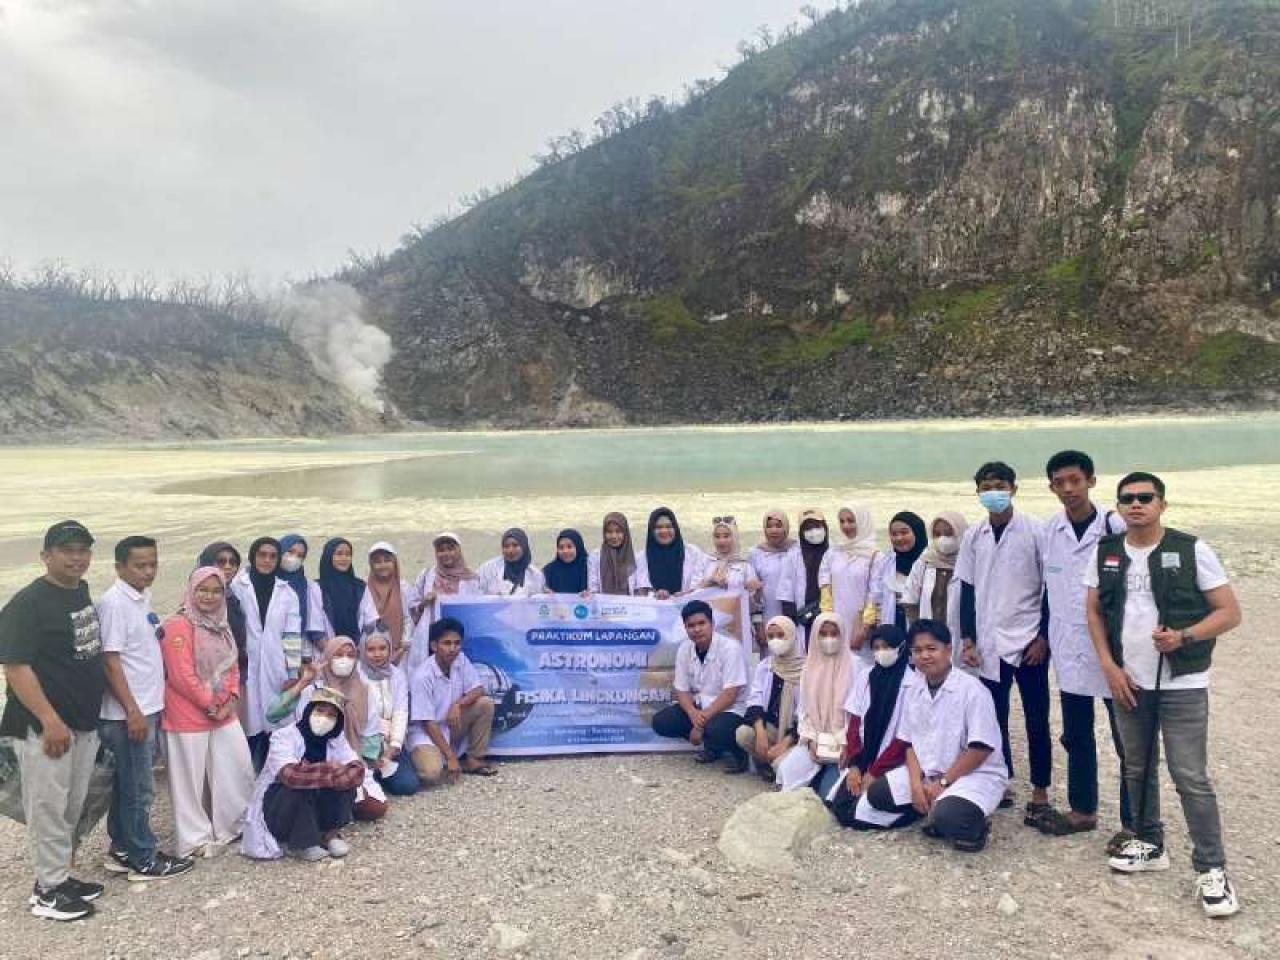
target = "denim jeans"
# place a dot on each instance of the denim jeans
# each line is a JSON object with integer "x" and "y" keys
{"x": 1183, "y": 720}
{"x": 129, "y": 819}
{"x": 1081, "y": 744}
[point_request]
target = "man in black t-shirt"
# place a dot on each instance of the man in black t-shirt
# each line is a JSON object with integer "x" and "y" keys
{"x": 51, "y": 648}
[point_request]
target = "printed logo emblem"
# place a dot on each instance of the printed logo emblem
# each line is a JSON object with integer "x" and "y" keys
{"x": 581, "y": 611}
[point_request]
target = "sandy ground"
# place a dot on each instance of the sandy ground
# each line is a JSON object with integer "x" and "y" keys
{"x": 611, "y": 856}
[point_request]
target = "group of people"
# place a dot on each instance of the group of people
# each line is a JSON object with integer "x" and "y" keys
{"x": 289, "y": 706}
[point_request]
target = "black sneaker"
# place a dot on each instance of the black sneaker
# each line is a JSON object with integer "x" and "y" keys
{"x": 83, "y": 889}
{"x": 117, "y": 862}
{"x": 163, "y": 867}
{"x": 57, "y": 904}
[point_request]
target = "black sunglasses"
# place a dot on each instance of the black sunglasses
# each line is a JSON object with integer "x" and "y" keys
{"x": 1130, "y": 498}
{"x": 728, "y": 519}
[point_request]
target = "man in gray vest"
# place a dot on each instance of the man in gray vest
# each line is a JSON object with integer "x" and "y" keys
{"x": 1158, "y": 599}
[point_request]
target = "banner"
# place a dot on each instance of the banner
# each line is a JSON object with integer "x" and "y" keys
{"x": 583, "y": 675}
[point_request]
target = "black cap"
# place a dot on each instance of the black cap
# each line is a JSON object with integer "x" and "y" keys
{"x": 68, "y": 531}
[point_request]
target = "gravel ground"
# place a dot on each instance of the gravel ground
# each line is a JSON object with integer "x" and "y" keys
{"x": 615, "y": 856}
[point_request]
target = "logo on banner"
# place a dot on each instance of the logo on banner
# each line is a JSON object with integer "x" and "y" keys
{"x": 581, "y": 611}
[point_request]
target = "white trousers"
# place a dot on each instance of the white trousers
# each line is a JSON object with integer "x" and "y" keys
{"x": 213, "y": 762}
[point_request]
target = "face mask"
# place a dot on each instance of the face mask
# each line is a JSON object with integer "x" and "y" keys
{"x": 946, "y": 545}
{"x": 780, "y": 646}
{"x": 830, "y": 645}
{"x": 995, "y": 501}
{"x": 342, "y": 666}
{"x": 320, "y": 725}
{"x": 815, "y": 535}
{"x": 291, "y": 563}
{"x": 887, "y": 658}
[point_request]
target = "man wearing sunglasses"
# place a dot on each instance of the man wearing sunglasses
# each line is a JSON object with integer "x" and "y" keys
{"x": 1157, "y": 600}
{"x": 130, "y": 718}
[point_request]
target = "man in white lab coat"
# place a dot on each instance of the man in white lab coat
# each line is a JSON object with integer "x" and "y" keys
{"x": 1071, "y": 538}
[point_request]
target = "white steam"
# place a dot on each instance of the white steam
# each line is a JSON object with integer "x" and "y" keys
{"x": 327, "y": 320}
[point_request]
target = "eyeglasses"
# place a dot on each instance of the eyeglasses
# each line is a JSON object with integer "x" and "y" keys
{"x": 1130, "y": 498}
{"x": 728, "y": 519}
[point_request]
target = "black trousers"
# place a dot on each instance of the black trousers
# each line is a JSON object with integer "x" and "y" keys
{"x": 844, "y": 806}
{"x": 259, "y": 747}
{"x": 1033, "y": 688}
{"x": 955, "y": 818}
{"x": 299, "y": 818}
{"x": 1082, "y": 755}
{"x": 719, "y": 736}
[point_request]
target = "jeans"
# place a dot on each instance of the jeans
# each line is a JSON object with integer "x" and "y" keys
{"x": 1082, "y": 755}
{"x": 53, "y": 792}
{"x": 1183, "y": 720}
{"x": 1033, "y": 688}
{"x": 405, "y": 781}
{"x": 129, "y": 819}
{"x": 719, "y": 736}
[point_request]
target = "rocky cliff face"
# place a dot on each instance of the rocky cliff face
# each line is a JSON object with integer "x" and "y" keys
{"x": 915, "y": 207}
{"x": 72, "y": 368}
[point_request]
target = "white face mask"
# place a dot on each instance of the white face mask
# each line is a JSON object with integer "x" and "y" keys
{"x": 946, "y": 545}
{"x": 887, "y": 657}
{"x": 321, "y": 725}
{"x": 815, "y": 535}
{"x": 342, "y": 666}
{"x": 291, "y": 563}
{"x": 781, "y": 646}
{"x": 830, "y": 645}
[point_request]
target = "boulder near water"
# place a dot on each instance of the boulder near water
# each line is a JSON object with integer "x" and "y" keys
{"x": 769, "y": 831}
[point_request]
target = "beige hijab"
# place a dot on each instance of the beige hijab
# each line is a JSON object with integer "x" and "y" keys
{"x": 863, "y": 543}
{"x": 933, "y": 557}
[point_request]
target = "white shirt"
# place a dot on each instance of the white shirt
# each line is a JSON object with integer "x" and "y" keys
{"x": 707, "y": 678}
{"x": 919, "y": 593}
{"x": 941, "y": 726}
{"x": 1007, "y": 584}
{"x": 634, "y": 583}
{"x": 740, "y": 573}
{"x": 493, "y": 584}
{"x": 859, "y": 702}
{"x": 694, "y": 557}
{"x": 433, "y": 692}
{"x": 769, "y": 567}
{"x": 368, "y": 612}
{"x": 123, "y": 613}
{"x": 762, "y": 689}
{"x": 389, "y": 702}
{"x": 419, "y": 649}
{"x": 854, "y": 581}
{"x": 1141, "y": 615}
{"x": 1066, "y": 559}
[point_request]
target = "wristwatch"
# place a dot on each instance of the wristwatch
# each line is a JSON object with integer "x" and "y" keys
{"x": 944, "y": 782}
{"x": 1187, "y": 638}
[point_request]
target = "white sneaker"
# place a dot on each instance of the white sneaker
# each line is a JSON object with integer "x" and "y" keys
{"x": 1217, "y": 896}
{"x": 338, "y": 847}
{"x": 1138, "y": 856}
{"x": 309, "y": 854}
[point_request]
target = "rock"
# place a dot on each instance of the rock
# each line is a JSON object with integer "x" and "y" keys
{"x": 770, "y": 830}
{"x": 677, "y": 857}
{"x": 506, "y": 938}
{"x": 897, "y": 890}
{"x": 1007, "y": 905}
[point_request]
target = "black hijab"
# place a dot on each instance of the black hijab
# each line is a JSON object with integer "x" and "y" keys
{"x": 513, "y": 573}
{"x": 235, "y": 612}
{"x": 912, "y": 520}
{"x": 885, "y": 684}
{"x": 316, "y": 749}
{"x": 812, "y": 553}
{"x": 666, "y": 564}
{"x": 568, "y": 577}
{"x": 342, "y": 592}
{"x": 264, "y": 584}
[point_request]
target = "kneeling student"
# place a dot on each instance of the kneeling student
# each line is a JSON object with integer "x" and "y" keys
{"x": 710, "y": 688}
{"x": 956, "y": 772}
{"x": 451, "y": 717}
{"x": 307, "y": 789}
{"x": 863, "y": 798}
{"x": 770, "y": 727}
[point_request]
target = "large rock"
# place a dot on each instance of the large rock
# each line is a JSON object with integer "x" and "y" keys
{"x": 769, "y": 831}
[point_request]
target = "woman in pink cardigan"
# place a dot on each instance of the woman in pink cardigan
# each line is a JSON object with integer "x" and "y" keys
{"x": 205, "y": 743}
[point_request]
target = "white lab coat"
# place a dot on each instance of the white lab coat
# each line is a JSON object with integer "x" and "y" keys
{"x": 1008, "y": 581}
{"x": 740, "y": 573}
{"x": 493, "y": 584}
{"x": 694, "y": 558}
{"x": 769, "y": 567}
{"x": 267, "y": 669}
{"x": 1065, "y": 559}
{"x": 317, "y": 620}
{"x": 854, "y": 581}
{"x": 919, "y": 592}
{"x": 426, "y": 585}
{"x": 593, "y": 575}
{"x": 368, "y": 612}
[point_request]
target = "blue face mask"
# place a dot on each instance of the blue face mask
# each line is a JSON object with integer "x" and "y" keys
{"x": 995, "y": 501}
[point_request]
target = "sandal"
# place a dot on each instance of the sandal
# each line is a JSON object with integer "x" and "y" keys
{"x": 1007, "y": 800}
{"x": 483, "y": 770}
{"x": 705, "y": 756}
{"x": 1055, "y": 823}
{"x": 1036, "y": 812}
{"x": 1118, "y": 842}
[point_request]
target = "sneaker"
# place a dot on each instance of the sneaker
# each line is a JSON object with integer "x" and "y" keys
{"x": 162, "y": 867}
{"x": 308, "y": 854}
{"x": 57, "y": 904}
{"x": 1138, "y": 856}
{"x": 737, "y": 764}
{"x": 83, "y": 889}
{"x": 338, "y": 847}
{"x": 117, "y": 862}
{"x": 1217, "y": 896}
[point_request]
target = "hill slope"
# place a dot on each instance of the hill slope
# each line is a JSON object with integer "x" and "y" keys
{"x": 914, "y": 207}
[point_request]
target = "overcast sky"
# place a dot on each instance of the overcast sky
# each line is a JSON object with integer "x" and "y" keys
{"x": 206, "y": 136}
